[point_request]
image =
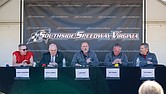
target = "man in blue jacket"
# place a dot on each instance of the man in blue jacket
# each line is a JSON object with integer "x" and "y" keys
{"x": 85, "y": 57}
{"x": 116, "y": 58}
{"x": 145, "y": 58}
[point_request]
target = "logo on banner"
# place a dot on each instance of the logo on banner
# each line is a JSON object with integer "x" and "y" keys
{"x": 45, "y": 35}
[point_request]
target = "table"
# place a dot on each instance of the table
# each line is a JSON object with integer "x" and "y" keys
{"x": 128, "y": 83}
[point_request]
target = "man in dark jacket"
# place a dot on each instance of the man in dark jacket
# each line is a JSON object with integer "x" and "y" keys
{"x": 53, "y": 58}
{"x": 145, "y": 58}
{"x": 116, "y": 58}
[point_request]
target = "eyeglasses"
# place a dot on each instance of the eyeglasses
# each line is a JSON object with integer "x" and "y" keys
{"x": 24, "y": 49}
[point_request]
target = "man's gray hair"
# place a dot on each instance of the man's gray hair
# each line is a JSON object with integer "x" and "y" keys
{"x": 150, "y": 87}
{"x": 52, "y": 45}
{"x": 145, "y": 45}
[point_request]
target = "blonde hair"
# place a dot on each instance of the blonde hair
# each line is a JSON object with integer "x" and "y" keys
{"x": 150, "y": 87}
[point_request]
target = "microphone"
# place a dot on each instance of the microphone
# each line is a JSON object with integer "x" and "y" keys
{"x": 43, "y": 65}
{"x": 7, "y": 65}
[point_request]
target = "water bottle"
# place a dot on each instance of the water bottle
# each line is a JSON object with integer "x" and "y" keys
{"x": 137, "y": 62}
{"x": 34, "y": 64}
{"x": 64, "y": 62}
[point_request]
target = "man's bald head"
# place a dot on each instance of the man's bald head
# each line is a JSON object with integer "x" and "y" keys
{"x": 85, "y": 47}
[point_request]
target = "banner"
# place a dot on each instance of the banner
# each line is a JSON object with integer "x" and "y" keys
{"x": 68, "y": 23}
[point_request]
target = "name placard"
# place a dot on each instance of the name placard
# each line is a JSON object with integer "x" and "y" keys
{"x": 22, "y": 73}
{"x": 51, "y": 73}
{"x": 112, "y": 73}
{"x": 148, "y": 73}
{"x": 82, "y": 73}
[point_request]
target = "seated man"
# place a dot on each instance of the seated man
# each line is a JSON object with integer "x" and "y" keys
{"x": 116, "y": 57}
{"x": 53, "y": 58}
{"x": 23, "y": 57}
{"x": 85, "y": 57}
{"x": 144, "y": 58}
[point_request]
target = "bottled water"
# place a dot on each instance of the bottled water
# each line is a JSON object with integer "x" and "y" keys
{"x": 64, "y": 62}
{"x": 34, "y": 64}
{"x": 137, "y": 62}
